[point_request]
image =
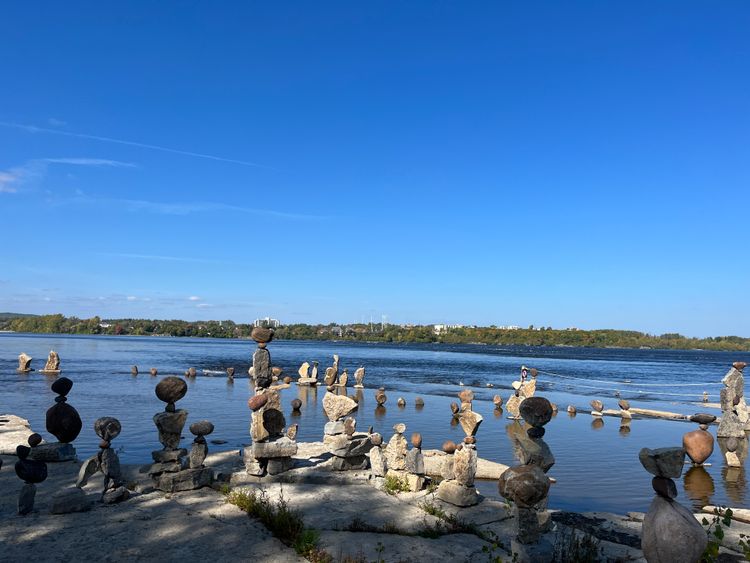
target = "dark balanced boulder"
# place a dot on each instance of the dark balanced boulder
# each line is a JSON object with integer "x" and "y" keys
{"x": 703, "y": 418}
{"x": 62, "y": 386}
{"x": 201, "y": 428}
{"x": 536, "y": 411}
{"x": 262, "y": 334}
{"x": 107, "y": 428}
{"x": 171, "y": 389}
{"x": 63, "y": 422}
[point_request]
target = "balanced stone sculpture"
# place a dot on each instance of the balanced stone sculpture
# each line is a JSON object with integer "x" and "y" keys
{"x": 24, "y": 363}
{"x": 415, "y": 472}
{"x": 63, "y": 422}
{"x": 380, "y": 397}
{"x": 513, "y": 405}
{"x": 30, "y": 472}
{"x": 596, "y": 407}
{"x": 199, "y": 451}
{"x": 105, "y": 461}
{"x": 52, "y": 367}
{"x": 670, "y": 531}
{"x": 359, "y": 378}
{"x": 527, "y": 485}
{"x": 624, "y": 408}
{"x": 343, "y": 379}
{"x": 271, "y": 452}
{"x": 699, "y": 444}
{"x": 735, "y": 420}
{"x": 348, "y": 447}
{"x": 170, "y": 470}
{"x": 332, "y": 372}
{"x": 457, "y": 486}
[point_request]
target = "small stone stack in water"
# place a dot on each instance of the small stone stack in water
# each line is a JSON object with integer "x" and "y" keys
{"x": 343, "y": 379}
{"x": 24, "y": 363}
{"x": 380, "y": 397}
{"x": 271, "y": 451}
{"x": 170, "y": 471}
{"x": 349, "y": 448}
{"x": 734, "y": 417}
{"x": 699, "y": 444}
{"x": 527, "y": 485}
{"x": 457, "y": 487}
{"x": 395, "y": 454}
{"x": 359, "y": 378}
{"x": 624, "y": 408}
{"x": 332, "y": 372}
{"x": 670, "y": 532}
{"x": 304, "y": 375}
{"x": 596, "y": 407}
{"x": 378, "y": 464}
{"x": 63, "y": 422}
{"x": 52, "y": 367}
{"x": 30, "y": 472}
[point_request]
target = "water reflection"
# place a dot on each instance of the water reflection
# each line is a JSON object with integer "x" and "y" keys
{"x": 498, "y": 413}
{"x": 624, "y": 427}
{"x": 699, "y": 486}
{"x": 735, "y": 478}
{"x": 379, "y": 412}
{"x": 597, "y": 423}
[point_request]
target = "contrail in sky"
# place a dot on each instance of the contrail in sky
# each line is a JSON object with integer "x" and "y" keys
{"x": 35, "y": 129}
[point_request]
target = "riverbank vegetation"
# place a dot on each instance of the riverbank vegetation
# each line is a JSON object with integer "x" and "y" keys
{"x": 531, "y": 336}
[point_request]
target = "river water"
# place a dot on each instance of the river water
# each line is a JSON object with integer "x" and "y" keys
{"x": 596, "y": 468}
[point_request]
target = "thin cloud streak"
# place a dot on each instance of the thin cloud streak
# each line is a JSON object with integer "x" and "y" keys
{"x": 35, "y": 129}
{"x": 186, "y": 208}
{"x": 159, "y": 257}
{"x": 13, "y": 178}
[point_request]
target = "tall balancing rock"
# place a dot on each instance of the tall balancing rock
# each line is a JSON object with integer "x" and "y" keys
{"x": 52, "y": 367}
{"x": 63, "y": 422}
{"x": 24, "y": 363}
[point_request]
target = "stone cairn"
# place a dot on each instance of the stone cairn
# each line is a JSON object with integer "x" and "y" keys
{"x": 305, "y": 376}
{"x": 732, "y": 445}
{"x": 343, "y": 379}
{"x": 30, "y": 472}
{"x": 52, "y": 367}
{"x": 24, "y": 363}
{"x": 380, "y": 397}
{"x": 699, "y": 444}
{"x": 332, "y": 372}
{"x": 527, "y": 485}
{"x": 597, "y": 407}
{"x": 199, "y": 450}
{"x": 349, "y": 448}
{"x": 105, "y": 461}
{"x": 670, "y": 532}
{"x": 271, "y": 452}
{"x": 460, "y": 468}
{"x": 230, "y": 373}
{"x": 134, "y": 370}
{"x": 64, "y": 423}
{"x": 734, "y": 417}
{"x": 624, "y": 405}
{"x": 378, "y": 467}
{"x": 170, "y": 470}
{"x": 359, "y": 378}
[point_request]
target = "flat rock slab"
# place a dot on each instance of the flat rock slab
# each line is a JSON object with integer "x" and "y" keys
{"x": 486, "y": 469}
{"x": 14, "y": 431}
{"x": 369, "y": 546}
{"x": 189, "y": 526}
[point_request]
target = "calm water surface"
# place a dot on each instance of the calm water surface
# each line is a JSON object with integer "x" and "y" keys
{"x": 597, "y": 464}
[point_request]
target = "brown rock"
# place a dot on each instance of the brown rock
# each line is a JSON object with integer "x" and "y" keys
{"x": 256, "y": 402}
{"x": 526, "y": 485}
{"x": 171, "y": 389}
{"x": 296, "y": 404}
{"x": 376, "y": 439}
{"x": 273, "y": 421}
{"x": 739, "y": 366}
{"x": 449, "y": 446}
{"x": 134, "y": 370}
{"x": 498, "y": 401}
{"x": 624, "y": 404}
{"x": 350, "y": 426}
{"x": 419, "y": 402}
{"x": 699, "y": 445}
{"x": 401, "y": 402}
{"x": 416, "y": 440}
{"x": 380, "y": 397}
{"x": 262, "y": 334}
{"x": 276, "y": 371}
{"x": 466, "y": 396}
{"x": 153, "y": 371}
{"x": 192, "y": 372}
{"x": 338, "y": 406}
{"x": 230, "y": 372}
{"x": 597, "y": 405}
{"x": 291, "y": 433}
{"x": 470, "y": 440}
{"x": 536, "y": 411}
{"x": 455, "y": 408}
{"x": 287, "y": 380}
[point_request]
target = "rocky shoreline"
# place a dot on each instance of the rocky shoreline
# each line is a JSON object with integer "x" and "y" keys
{"x": 356, "y": 519}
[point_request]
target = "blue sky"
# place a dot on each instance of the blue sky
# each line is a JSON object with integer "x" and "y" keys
{"x": 566, "y": 164}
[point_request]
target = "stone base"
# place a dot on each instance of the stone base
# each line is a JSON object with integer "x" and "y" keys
{"x": 187, "y": 480}
{"x": 160, "y": 456}
{"x": 597, "y": 413}
{"x": 416, "y": 482}
{"x": 307, "y": 381}
{"x": 282, "y": 447}
{"x": 541, "y": 551}
{"x": 333, "y": 428}
{"x": 53, "y": 452}
{"x": 458, "y": 495}
{"x": 276, "y": 465}
{"x": 26, "y": 498}
{"x": 255, "y": 467}
{"x": 70, "y": 500}
{"x": 358, "y": 386}
{"x": 158, "y": 469}
{"x": 730, "y": 426}
{"x": 116, "y": 495}
{"x": 349, "y": 463}
{"x": 50, "y": 371}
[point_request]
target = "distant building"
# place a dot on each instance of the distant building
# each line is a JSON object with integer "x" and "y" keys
{"x": 509, "y": 327}
{"x": 441, "y": 329}
{"x": 268, "y": 322}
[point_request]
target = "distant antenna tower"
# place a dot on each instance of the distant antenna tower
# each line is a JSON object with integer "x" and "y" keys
{"x": 383, "y": 321}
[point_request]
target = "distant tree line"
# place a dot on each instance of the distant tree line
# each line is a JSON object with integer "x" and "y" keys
{"x": 374, "y": 333}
